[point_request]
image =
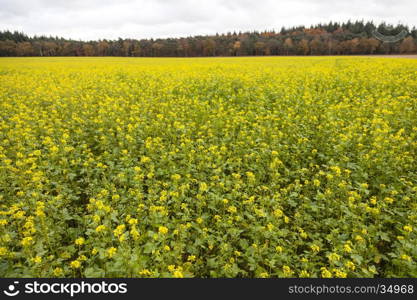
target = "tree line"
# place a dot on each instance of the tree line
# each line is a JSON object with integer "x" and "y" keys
{"x": 333, "y": 38}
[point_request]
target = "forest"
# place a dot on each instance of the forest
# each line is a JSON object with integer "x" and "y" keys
{"x": 348, "y": 38}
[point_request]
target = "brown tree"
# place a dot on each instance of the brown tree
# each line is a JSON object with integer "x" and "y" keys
{"x": 24, "y": 49}
{"x": 50, "y": 48}
{"x": 88, "y": 50}
{"x": 260, "y": 48}
{"x": 102, "y": 48}
{"x": 236, "y": 48}
{"x": 209, "y": 47}
{"x": 136, "y": 50}
{"x": 288, "y": 45}
{"x": 7, "y": 48}
{"x": 303, "y": 45}
{"x": 315, "y": 46}
{"x": 408, "y": 45}
{"x": 156, "y": 49}
{"x": 126, "y": 48}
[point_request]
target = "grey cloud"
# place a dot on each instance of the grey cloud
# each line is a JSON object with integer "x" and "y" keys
{"x": 95, "y": 19}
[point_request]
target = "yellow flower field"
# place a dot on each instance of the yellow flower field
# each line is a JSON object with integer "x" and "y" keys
{"x": 208, "y": 167}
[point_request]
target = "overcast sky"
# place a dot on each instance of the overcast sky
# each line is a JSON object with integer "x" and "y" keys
{"x": 98, "y": 19}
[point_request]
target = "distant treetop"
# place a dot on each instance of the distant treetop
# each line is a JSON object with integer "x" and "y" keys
{"x": 333, "y": 38}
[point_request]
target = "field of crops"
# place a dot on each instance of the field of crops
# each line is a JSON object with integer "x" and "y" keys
{"x": 208, "y": 167}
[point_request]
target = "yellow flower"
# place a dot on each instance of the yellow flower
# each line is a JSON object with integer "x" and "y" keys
{"x": 149, "y": 146}
{"x": 100, "y": 228}
{"x": 406, "y": 257}
{"x": 250, "y": 176}
{"x": 19, "y": 215}
{"x": 178, "y": 274}
{"x": 389, "y": 200}
{"x": 145, "y": 159}
{"x": 134, "y": 233}
{"x": 347, "y": 248}
{"x": 27, "y": 241}
{"x": 82, "y": 258}
{"x": 364, "y": 185}
{"x": 232, "y": 209}
{"x": 145, "y": 272}
{"x": 80, "y": 241}
{"x": 171, "y": 268}
{"x": 54, "y": 149}
{"x": 6, "y": 238}
{"x": 315, "y": 248}
{"x": 163, "y": 230}
{"x": 175, "y": 177}
{"x": 278, "y": 213}
{"x": 36, "y": 259}
{"x": 96, "y": 218}
{"x": 304, "y": 274}
{"x": 191, "y": 258}
{"x": 325, "y": 273}
{"x": 58, "y": 272}
{"x": 119, "y": 230}
{"x": 333, "y": 257}
{"x": 408, "y": 228}
{"x": 203, "y": 187}
{"x": 339, "y": 273}
{"x": 75, "y": 264}
{"x": 133, "y": 221}
{"x": 359, "y": 238}
{"x": 373, "y": 200}
{"x": 111, "y": 252}
{"x": 287, "y": 271}
{"x": 3, "y": 251}
{"x": 123, "y": 237}
{"x": 350, "y": 265}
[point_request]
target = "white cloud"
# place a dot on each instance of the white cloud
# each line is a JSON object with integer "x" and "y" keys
{"x": 95, "y": 19}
